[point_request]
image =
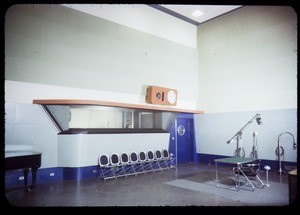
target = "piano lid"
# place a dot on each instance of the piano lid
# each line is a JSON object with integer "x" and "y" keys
{"x": 15, "y": 147}
{"x": 21, "y": 153}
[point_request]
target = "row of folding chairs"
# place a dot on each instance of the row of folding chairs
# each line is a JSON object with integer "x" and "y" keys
{"x": 117, "y": 165}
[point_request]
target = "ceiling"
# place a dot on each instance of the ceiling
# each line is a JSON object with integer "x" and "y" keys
{"x": 180, "y": 11}
{"x": 184, "y": 12}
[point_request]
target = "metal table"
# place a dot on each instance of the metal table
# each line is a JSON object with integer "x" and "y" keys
{"x": 238, "y": 161}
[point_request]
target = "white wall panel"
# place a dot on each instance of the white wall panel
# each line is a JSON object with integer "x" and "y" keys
{"x": 248, "y": 60}
{"x": 78, "y": 150}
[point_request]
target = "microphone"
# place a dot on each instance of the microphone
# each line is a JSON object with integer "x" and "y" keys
{"x": 258, "y": 120}
{"x": 229, "y": 141}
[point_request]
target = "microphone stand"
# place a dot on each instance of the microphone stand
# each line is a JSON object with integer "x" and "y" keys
{"x": 282, "y": 153}
{"x": 238, "y": 136}
{"x": 255, "y": 146}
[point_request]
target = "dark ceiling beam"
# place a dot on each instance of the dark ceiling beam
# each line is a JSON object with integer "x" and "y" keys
{"x": 172, "y": 13}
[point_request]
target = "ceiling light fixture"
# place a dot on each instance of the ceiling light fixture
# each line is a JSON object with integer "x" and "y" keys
{"x": 197, "y": 13}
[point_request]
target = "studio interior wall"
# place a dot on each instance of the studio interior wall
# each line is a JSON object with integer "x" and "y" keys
{"x": 248, "y": 65}
{"x": 245, "y": 63}
{"x": 58, "y": 46}
{"x": 248, "y": 60}
{"x": 54, "y": 52}
{"x": 213, "y": 130}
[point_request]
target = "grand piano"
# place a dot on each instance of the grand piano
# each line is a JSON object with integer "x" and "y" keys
{"x": 24, "y": 160}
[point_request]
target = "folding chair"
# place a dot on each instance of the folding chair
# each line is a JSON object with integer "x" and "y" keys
{"x": 158, "y": 159}
{"x": 150, "y": 160}
{"x": 116, "y": 165}
{"x": 142, "y": 161}
{"x": 134, "y": 160}
{"x": 250, "y": 171}
{"x": 168, "y": 159}
{"x": 105, "y": 167}
{"x": 127, "y": 166}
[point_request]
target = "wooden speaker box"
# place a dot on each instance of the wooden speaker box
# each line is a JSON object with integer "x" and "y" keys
{"x": 161, "y": 96}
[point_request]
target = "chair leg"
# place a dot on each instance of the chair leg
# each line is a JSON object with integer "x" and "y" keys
{"x": 124, "y": 170}
{"x": 248, "y": 180}
{"x": 260, "y": 181}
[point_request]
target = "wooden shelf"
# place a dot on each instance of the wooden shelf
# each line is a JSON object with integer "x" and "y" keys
{"x": 113, "y": 104}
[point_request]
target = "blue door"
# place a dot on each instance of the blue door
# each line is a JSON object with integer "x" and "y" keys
{"x": 184, "y": 148}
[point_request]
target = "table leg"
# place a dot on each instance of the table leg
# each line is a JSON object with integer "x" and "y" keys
{"x": 238, "y": 176}
{"x": 217, "y": 178}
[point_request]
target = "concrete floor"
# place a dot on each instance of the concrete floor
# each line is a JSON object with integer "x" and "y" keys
{"x": 187, "y": 185}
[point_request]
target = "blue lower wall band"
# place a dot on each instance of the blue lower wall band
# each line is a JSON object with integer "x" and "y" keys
{"x": 15, "y": 178}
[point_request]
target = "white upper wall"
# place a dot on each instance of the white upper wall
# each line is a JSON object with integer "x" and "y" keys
{"x": 248, "y": 60}
{"x": 63, "y": 51}
{"x": 144, "y": 18}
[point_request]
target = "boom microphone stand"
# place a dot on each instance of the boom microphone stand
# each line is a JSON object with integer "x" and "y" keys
{"x": 240, "y": 152}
